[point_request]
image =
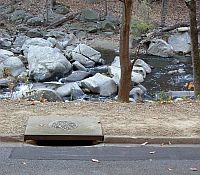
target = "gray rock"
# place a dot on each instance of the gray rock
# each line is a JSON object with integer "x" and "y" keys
{"x": 183, "y": 29}
{"x": 78, "y": 66}
{"x": 160, "y": 48}
{"x": 86, "y": 55}
{"x": 47, "y": 63}
{"x": 115, "y": 71}
{"x": 178, "y": 100}
{"x": 75, "y": 76}
{"x": 4, "y": 82}
{"x": 139, "y": 70}
{"x": 113, "y": 19}
{"x": 175, "y": 94}
{"x": 47, "y": 85}
{"x": 56, "y": 43}
{"x": 47, "y": 94}
{"x": 70, "y": 89}
{"x": 100, "y": 84}
{"x": 19, "y": 40}
{"x": 34, "y": 33}
{"x": 142, "y": 88}
{"x": 35, "y": 21}
{"x": 5, "y": 42}
{"x": 136, "y": 93}
{"x": 22, "y": 28}
{"x": 15, "y": 65}
{"x": 180, "y": 42}
{"x": 56, "y": 33}
{"x": 89, "y": 15}
{"x": 6, "y": 52}
{"x": 35, "y": 42}
{"x": 108, "y": 25}
{"x": 61, "y": 9}
{"x": 19, "y": 16}
{"x": 141, "y": 63}
{"x": 99, "y": 69}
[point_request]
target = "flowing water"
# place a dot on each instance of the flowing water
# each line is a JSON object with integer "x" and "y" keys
{"x": 159, "y": 80}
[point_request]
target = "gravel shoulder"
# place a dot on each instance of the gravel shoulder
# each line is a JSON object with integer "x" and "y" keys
{"x": 169, "y": 120}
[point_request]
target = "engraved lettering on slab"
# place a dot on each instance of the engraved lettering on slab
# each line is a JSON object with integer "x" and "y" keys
{"x": 63, "y": 124}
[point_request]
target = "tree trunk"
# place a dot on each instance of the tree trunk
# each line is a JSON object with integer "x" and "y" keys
{"x": 125, "y": 62}
{"x": 164, "y": 10}
{"x": 191, "y": 4}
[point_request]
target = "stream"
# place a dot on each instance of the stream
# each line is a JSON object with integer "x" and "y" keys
{"x": 159, "y": 80}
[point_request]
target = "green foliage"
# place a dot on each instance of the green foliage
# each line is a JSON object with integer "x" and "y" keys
{"x": 162, "y": 97}
{"x": 139, "y": 27}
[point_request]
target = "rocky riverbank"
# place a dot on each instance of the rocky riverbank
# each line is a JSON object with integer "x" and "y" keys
{"x": 63, "y": 63}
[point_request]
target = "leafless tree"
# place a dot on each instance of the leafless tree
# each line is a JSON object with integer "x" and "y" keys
{"x": 191, "y": 4}
{"x": 125, "y": 62}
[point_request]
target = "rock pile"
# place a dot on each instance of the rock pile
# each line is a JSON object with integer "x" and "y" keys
{"x": 63, "y": 69}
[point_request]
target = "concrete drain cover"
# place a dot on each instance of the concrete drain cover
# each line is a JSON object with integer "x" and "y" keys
{"x": 63, "y": 128}
{"x": 66, "y": 125}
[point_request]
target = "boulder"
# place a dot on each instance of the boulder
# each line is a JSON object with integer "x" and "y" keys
{"x": 4, "y": 82}
{"x": 5, "y": 42}
{"x": 47, "y": 63}
{"x": 108, "y": 25}
{"x": 19, "y": 40}
{"x": 75, "y": 76}
{"x": 18, "y": 15}
{"x": 180, "y": 42}
{"x": 136, "y": 93}
{"x": 89, "y": 15}
{"x": 140, "y": 70}
{"x": 86, "y": 55}
{"x": 78, "y": 66}
{"x": 61, "y": 9}
{"x": 145, "y": 66}
{"x": 35, "y": 21}
{"x": 34, "y": 33}
{"x": 6, "y": 52}
{"x": 44, "y": 94}
{"x": 14, "y": 65}
{"x": 70, "y": 89}
{"x": 161, "y": 48}
{"x": 100, "y": 84}
{"x": 115, "y": 71}
{"x": 99, "y": 69}
{"x": 35, "y": 42}
{"x": 55, "y": 43}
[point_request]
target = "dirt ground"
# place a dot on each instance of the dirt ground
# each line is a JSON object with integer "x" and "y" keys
{"x": 180, "y": 119}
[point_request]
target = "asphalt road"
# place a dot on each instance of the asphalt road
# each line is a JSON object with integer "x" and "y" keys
{"x": 112, "y": 160}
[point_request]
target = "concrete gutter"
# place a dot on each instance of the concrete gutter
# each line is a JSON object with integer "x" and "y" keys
{"x": 123, "y": 139}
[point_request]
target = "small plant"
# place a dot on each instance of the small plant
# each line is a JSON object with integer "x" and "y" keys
{"x": 162, "y": 97}
{"x": 7, "y": 72}
{"x": 140, "y": 27}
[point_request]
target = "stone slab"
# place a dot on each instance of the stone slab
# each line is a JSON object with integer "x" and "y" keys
{"x": 63, "y": 128}
{"x": 180, "y": 93}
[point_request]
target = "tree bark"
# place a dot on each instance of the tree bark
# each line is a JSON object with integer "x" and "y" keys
{"x": 164, "y": 10}
{"x": 191, "y": 4}
{"x": 125, "y": 62}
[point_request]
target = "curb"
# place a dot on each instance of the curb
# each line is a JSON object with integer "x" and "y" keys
{"x": 11, "y": 138}
{"x": 150, "y": 140}
{"x": 111, "y": 139}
